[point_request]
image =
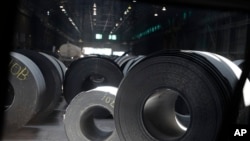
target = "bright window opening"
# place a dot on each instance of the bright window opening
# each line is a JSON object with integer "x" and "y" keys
{"x": 98, "y": 36}
{"x": 112, "y": 37}
{"x": 99, "y": 51}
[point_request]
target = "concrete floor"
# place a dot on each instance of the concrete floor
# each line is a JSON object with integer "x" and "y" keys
{"x": 52, "y": 129}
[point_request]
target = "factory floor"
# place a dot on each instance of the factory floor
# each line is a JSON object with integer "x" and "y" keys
{"x": 52, "y": 129}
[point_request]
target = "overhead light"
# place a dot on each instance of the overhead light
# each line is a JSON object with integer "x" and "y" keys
{"x": 156, "y": 14}
{"x": 63, "y": 9}
{"x": 61, "y": 6}
{"x": 94, "y": 13}
{"x": 94, "y": 5}
{"x": 164, "y": 8}
{"x": 116, "y": 24}
{"x": 134, "y": 0}
{"x": 129, "y": 7}
{"x": 121, "y": 19}
{"x": 48, "y": 13}
{"x": 94, "y": 8}
{"x": 125, "y": 12}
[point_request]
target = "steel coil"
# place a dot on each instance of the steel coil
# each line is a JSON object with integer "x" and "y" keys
{"x": 26, "y": 86}
{"x": 88, "y": 73}
{"x": 53, "y": 83}
{"x": 145, "y": 108}
{"x": 85, "y": 117}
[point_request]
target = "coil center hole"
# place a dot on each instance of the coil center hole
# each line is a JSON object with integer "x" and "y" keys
{"x": 97, "y": 123}
{"x": 97, "y": 78}
{"x": 166, "y": 115}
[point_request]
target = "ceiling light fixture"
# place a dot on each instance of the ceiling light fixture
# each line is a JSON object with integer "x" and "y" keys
{"x": 61, "y": 6}
{"x": 134, "y": 0}
{"x": 164, "y": 8}
{"x": 156, "y": 14}
{"x": 129, "y": 7}
{"x": 94, "y": 5}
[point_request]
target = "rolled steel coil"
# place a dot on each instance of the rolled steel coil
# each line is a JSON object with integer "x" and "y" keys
{"x": 50, "y": 98}
{"x": 85, "y": 116}
{"x": 145, "y": 108}
{"x": 88, "y": 73}
{"x": 26, "y": 87}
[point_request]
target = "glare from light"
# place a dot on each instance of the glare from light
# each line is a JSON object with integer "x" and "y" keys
{"x": 94, "y": 5}
{"x": 129, "y": 7}
{"x": 164, "y": 8}
{"x": 116, "y": 24}
{"x": 118, "y": 53}
{"x": 121, "y": 19}
{"x": 61, "y": 6}
{"x": 125, "y": 12}
{"x": 70, "y": 19}
{"x": 180, "y": 125}
{"x": 156, "y": 14}
{"x": 63, "y": 10}
{"x": 94, "y": 13}
{"x": 48, "y": 13}
{"x": 134, "y": 0}
{"x": 101, "y": 51}
{"x": 110, "y": 89}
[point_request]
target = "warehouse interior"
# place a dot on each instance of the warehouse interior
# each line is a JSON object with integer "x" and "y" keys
{"x": 142, "y": 27}
{"x": 74, "y": 29}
